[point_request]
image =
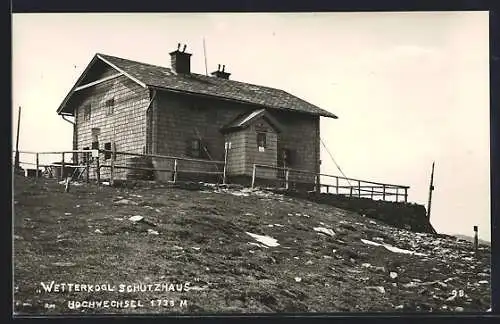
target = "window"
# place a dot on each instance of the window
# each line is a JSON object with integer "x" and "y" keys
{"x": 198, "y": 149}
{"x": 86, "y": 112}
{"x": 107, "y": 147}
{"x": 195, "y": 148}
{"x": 95, "y": 145}
{"x": 110, "y": 103}
{"x": 85, "y": 155}
{"x": 261, "y": 141}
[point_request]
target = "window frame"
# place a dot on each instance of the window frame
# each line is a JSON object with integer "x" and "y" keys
{"x": 261, "y": 139}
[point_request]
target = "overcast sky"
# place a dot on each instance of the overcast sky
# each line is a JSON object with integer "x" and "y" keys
{"x": 409, "y": 88}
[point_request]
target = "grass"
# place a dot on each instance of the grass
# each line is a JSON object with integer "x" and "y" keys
{"x": 84, "y": 237}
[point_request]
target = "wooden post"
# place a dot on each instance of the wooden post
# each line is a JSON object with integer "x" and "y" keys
{"x": 372, "y": 193}
{"x": 383, "y": 192}
{"x": 327, "y": 188}
{"x": 62, "y": 167}
{"x": 317, "y": 184}
{"x": 37, "y": 166}
{"x": 406, "y": 195}
{"x": 253, "y": 175}
{"x": 67, "y": 184}
{"x": 476, "y": 243}
{"x": 226, "y": 147}
{"x": 431, "y": 188}
{"x": 350, "y": 191}
{"x": 337, "y": 185}
{"x": 175, "y": 170}
{"x": 112, "y": 171}
{"x": 87, "y": 167}
{"x": 397, "y": 194}
{"x": 98, "y": 171}
{"x": 287, "y": 178}
{"x": 16, "y": 162}
{"x": 359, "y": 189}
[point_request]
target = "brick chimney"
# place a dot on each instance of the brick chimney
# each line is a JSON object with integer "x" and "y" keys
{"x": 180, "y": 61}
{"x": 221, "y": 73}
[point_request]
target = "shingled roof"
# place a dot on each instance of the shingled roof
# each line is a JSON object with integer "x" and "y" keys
{"x": 164, "y": 78}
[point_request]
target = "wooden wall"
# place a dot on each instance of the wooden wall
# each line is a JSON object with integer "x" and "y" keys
{"x": 126, "y": 126}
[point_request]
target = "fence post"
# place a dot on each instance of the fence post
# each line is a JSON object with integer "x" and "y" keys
{"x": 253, "y": 175}
{"x": 383, "y": 192}
{"x": 112, "y": 171}
{"x": 37, "y": 163}
{"x": 372, "y": 193}
{"x": 61, "y": 175}
{"x": 287, "y": 178}
{"x": 327, "y": 188}
{"x": 87, "y": 167}
{"x": 406, "y": 195}
{"x": 397, "y": 194}
{"x": 359, "y": 189}
{"x": 175, "y": 170}
{"x": 317, "y": 183}
{"x": 226, "y": 147}
{"x": 350, "y": 191}
{"x": 337, "y": 185}
{"x": 98, "y": 171}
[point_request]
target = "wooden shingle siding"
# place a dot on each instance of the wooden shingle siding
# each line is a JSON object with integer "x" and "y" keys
{"x": 126, "y": 126}
{"x": 180, "y": 118}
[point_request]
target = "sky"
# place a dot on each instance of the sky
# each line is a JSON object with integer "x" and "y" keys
{"x": 409, "y": 88}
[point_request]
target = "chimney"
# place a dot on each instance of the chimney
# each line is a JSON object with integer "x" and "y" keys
{"x": 180, "y": 61}
{"x": 221, "y": 73}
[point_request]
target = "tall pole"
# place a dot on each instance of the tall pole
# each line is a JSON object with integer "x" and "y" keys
{"x": 431, "y": 188}
{"x": 16, "y": 163}
{"x": 205, "y": 55}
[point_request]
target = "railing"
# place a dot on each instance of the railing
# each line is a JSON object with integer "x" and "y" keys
{"x": 175, "y": 170}
{"x": 63, "y": 164}
{"x": 341, "y": 185}
{"x": 91, "y": 160}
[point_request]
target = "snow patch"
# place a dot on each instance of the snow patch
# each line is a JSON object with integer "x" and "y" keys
{"x": 324, "y": 230}
{"x": 264, "y": 239}
{"x": 392, "y": 248}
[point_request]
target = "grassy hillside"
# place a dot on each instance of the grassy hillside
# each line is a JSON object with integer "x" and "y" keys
{"x": 198, "y": 253}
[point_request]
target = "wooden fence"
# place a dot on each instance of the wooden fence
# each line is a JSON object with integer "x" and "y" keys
{"x": 342, "y": 186}
{"x": 175, "y": 170}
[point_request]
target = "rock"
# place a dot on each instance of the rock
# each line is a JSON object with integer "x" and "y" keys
{"x": 67, "y": 214}
{"x": 64, "y": 264}
{"x": 393, "y": 275}
{"x": 380, "y": 289}
{"x": 151, "y": 231}
{"x": 298, "y": 279}
{"x": 366, "y": 265}
{"x": 136, "y": 218}
{"x": 459, "y": 309}
{"x": 309, "y": 262}
{"x": 483, "y": 282}
{"x": 17, "y": 237}
{"x": 98, "y": 231}
{"x": 125, "y": 202}
{"x": 399, "y": 307}
{"x": 482, "y": 274}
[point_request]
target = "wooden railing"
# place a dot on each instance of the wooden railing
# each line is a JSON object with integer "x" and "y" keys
{"x": 175, "y": 169}
{"x": 353, "y": 188}
{"x": 63, "y": 157}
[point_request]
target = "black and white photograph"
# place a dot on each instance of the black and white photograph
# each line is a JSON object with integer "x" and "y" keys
{"x": 250, "y": 163}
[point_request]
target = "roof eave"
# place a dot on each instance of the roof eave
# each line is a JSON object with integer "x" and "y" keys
{"x": 324, "y": 114}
